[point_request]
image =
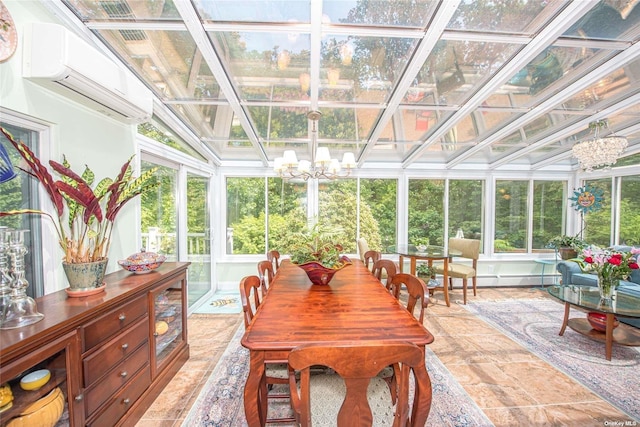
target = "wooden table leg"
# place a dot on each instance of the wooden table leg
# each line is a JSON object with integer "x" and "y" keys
{"x": 401, "y": 262}
{"x": 255, "y": 405}
{"x": 567, "y": 306}
{"x": 609, "y": 335}
{"x": 413, "y": 265}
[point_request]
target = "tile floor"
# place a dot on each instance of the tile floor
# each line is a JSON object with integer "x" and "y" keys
{"x": 512, "y": 386}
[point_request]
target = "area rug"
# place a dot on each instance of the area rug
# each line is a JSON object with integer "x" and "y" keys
{"x": 535, "y": 324}
{"x": 220, "y": 402}
{"x": 221, "y": 303}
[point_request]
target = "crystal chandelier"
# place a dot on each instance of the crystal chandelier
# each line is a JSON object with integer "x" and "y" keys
{"x": 599, "y": 151}
{"x": 321, "y": 164}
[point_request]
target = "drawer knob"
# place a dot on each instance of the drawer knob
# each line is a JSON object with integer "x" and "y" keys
{"x": 79, "y": 397}
{"x": 126, "y": 401}
{"x": 125, "y": 346}
{"x": 123, "y": 374}
{"x": 122, "y": 317}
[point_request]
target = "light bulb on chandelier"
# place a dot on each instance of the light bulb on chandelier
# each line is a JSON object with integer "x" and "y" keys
{"x": 599, "y": 151}
{"x": 321, "y": 164}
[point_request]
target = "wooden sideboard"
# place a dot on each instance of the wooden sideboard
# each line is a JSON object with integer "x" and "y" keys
{"x": 111, "y": 353}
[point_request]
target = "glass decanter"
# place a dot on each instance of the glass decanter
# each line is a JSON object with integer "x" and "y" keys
{"x": 5, "y": 279}
{"x": 22, "y": 309}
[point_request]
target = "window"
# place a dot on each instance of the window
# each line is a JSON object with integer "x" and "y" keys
{"x": 426, "y": 212}
{"x": 287, "y": 210}
{"x": 630, "y": 210}
{"x": 22, "y": 193}
{"x": 198, "y": 236}
{"x": 466, "y": 213}
{"x": 378, "y": 216}
{"x": 159, "y": 212}
{"x": 245, "y": 216}
{"x": 549, "y": 211}
{"x": 511, "y": 216}
{"x": 337, "y": 208}
{"x": 597, "y": 225}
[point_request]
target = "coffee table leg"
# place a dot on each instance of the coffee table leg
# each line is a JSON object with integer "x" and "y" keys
{"x": 609, "y": 336}
{"x": 567, "y": 306}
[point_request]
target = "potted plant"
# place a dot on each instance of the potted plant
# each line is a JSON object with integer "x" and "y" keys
{"x": 318, "y": 254}
{"x": 567, "y": 246}
{"x": 84, "y": 213}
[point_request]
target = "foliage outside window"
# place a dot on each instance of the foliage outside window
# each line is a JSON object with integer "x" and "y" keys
{"x": 549, "y": 211}
{"x": 379, "y": 196}
{"x": 466, "y": 211}
{"x": 511, "y": 216}
{"x": 245, "y": 216}
{"x": 287, "y": 210}
{"x": 597, "y": 225}
{"x": 630, "y": 210}
{"x": 426, "y": 212}
{"x": 159, "y": 212}
{"x": 337, "y": 209}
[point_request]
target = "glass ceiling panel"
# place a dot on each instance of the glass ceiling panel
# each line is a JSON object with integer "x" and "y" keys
{"x": 169, "y": 62}
{"x": 553, "y": 67}
{"x": 521, "y": 17}
{"x": 363, "y": 69}
{"x": 456, "y": 69}
{"x": 123, "y": 10}
{"x": 380, "y": 12}
{"x": 281, "y": 11}
{"x": 280, "y": 123}
{"x": 266, "y": 66}
{"x": 608, "y": 20}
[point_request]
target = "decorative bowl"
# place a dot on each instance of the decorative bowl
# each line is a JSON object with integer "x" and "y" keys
{"x": 319, "y": 274}
{"x": 44, "y": 412}
{"x": 35, "y": 379}
{"x": 142, "y": 262}
{"x": 598, "y": 321}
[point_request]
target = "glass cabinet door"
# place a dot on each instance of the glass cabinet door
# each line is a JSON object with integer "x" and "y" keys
{"x": 169, "y": 323}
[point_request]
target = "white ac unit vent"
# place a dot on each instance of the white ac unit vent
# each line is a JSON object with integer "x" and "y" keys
{"x": 62, "y": 61}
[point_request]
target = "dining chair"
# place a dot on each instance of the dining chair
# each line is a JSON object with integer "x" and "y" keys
{"x": 418, "y": 295}
{"x": 470, "y": 249}
{"x": 266, "y": 274}
{"x": 355, "y": 395}
{"x": 276, "y": 372}
{"x": 363, "y": 247}
{"x": 370, "y": 257}
{"x": 274, "y": 257}
{"x": 385, "y": 269}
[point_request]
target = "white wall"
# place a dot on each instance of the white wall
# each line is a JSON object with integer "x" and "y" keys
{"x": 83, "y": 135}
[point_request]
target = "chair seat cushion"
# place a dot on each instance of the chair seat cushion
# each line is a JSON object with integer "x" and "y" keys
{"x": 461, "y": 271}
{"x": 328, "y": 392}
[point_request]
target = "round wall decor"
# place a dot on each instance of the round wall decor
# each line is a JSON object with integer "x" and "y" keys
{"x": 8, "y": 34}
{"x": 587, "y": 199}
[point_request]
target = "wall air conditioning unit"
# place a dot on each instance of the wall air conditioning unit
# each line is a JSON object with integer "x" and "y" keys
{"x": 60, "y": 60}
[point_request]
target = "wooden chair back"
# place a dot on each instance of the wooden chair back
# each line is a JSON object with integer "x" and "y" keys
{"x": 266, "y": 274}
{"x": 385, "y": 269}
{"x": 370, "y": 257}
{"x": 274, "y": 257}
{"x": 250, "y": 296}
{"x": 357, "y": 363}
{"x": 417, "y": 292}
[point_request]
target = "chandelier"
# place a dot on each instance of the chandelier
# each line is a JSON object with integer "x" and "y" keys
{"x": 599, "y": 152}
{"x": 321, "y": 164}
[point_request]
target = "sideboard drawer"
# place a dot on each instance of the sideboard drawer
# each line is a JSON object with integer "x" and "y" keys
{"x": 116, "y": 379}
{"x": 114, "y": 351}
{"x": 113, "y": 322}
{"x": 122, "y": 401}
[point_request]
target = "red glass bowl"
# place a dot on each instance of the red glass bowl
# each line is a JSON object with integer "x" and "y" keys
{"x": 598, "y": 321}
{"x": 319, "y": 274}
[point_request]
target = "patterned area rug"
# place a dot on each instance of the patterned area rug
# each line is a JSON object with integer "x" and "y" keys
{"x": 221, "y": 303}
{"x": 535, "y": 324}
{"x": 221, "y": 403}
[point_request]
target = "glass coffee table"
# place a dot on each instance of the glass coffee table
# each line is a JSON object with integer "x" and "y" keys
{"x": 623, "y": 305}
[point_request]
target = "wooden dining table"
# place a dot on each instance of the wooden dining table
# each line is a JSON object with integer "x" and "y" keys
{"x": 354, "y": 307}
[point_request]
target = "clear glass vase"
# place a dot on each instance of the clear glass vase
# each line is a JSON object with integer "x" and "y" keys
{"x": 22, "y": 309}
{"x": 607, "y": 286}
